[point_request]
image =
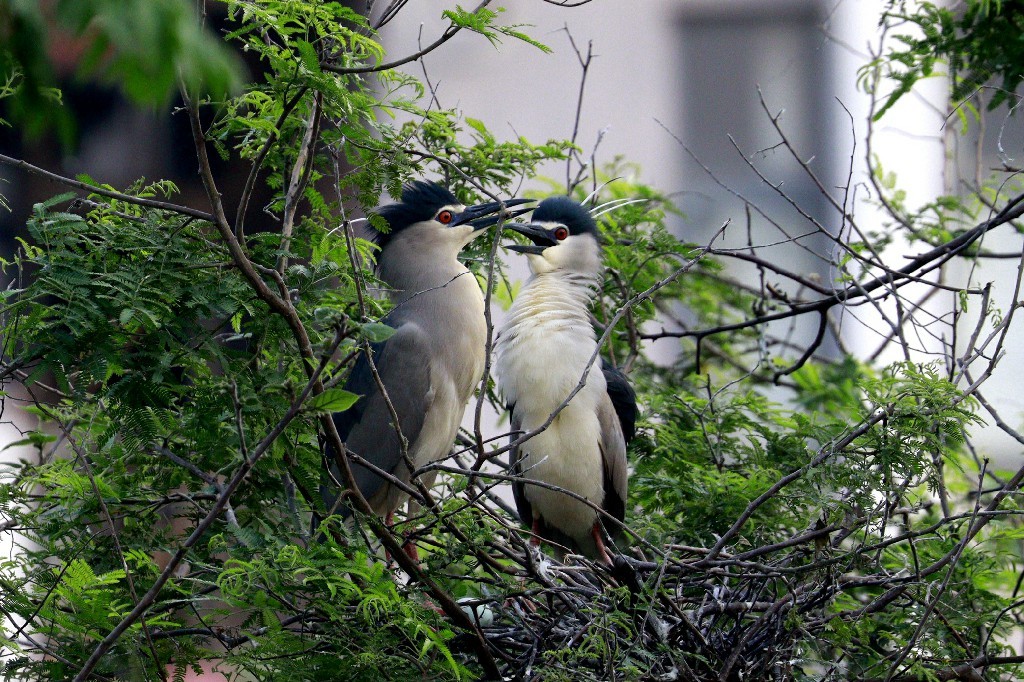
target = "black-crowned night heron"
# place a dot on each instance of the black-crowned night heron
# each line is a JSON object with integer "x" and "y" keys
{"x": 541, "y": 354}
{"x": 431, "y": 364}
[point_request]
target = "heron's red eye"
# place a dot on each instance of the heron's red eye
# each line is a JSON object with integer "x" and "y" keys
{"x": 445, "y": 217}
{"x": 561, "y": 233}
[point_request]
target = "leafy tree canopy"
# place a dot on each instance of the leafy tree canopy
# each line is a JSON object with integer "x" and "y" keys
{"x": 792, "y": 515}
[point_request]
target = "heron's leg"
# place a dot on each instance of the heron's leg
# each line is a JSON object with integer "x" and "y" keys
{"x": 411, "y": 549}
{"x": 408, "y": 545}
{"x": 535, "y": 533}
{"x": 389, "y": 521}
{"x": 527, "y": 602}
{"x": 602, "y": 550}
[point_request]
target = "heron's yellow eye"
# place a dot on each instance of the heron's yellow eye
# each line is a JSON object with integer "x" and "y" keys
{"x": 561, "y": 233}
{"x": 445, "y": 217}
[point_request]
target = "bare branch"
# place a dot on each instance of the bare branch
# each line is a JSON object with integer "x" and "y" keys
{"x": 93, "y": 189}
{"x": 448, "y": 34}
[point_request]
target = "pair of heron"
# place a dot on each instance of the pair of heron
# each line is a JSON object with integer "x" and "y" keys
{"x": 432, "y": 363}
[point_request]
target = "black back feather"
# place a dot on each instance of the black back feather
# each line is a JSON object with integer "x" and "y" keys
{"x": 623, "y": 399}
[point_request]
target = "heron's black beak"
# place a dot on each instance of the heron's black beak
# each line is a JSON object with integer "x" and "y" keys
{"x": 538, "y": 233}
{"x": 482, "y": 223}
{"x": 482, "y": 215}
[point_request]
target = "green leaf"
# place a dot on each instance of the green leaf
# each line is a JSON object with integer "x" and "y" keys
{"x": 477, "y": 125}
{"x": 377, "y": 332}
{"x": 308, "y": 55}
{"x": 35, "y": 438}
{"x": 332, "y": 400}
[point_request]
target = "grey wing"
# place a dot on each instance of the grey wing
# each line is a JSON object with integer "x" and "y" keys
{"x": 518, "y": 487}
{"x": 367, "y": 429}
{"x": 613, "y": 456}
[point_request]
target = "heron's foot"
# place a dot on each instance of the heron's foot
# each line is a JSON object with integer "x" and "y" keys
{"x": 429, "y": 603}
{"x": 522, "y": 601}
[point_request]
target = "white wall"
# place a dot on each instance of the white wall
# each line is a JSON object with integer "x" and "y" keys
{"x": 517, "y": 89}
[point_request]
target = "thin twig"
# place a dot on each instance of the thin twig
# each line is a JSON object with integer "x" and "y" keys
{"x": 93, "y": 189}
